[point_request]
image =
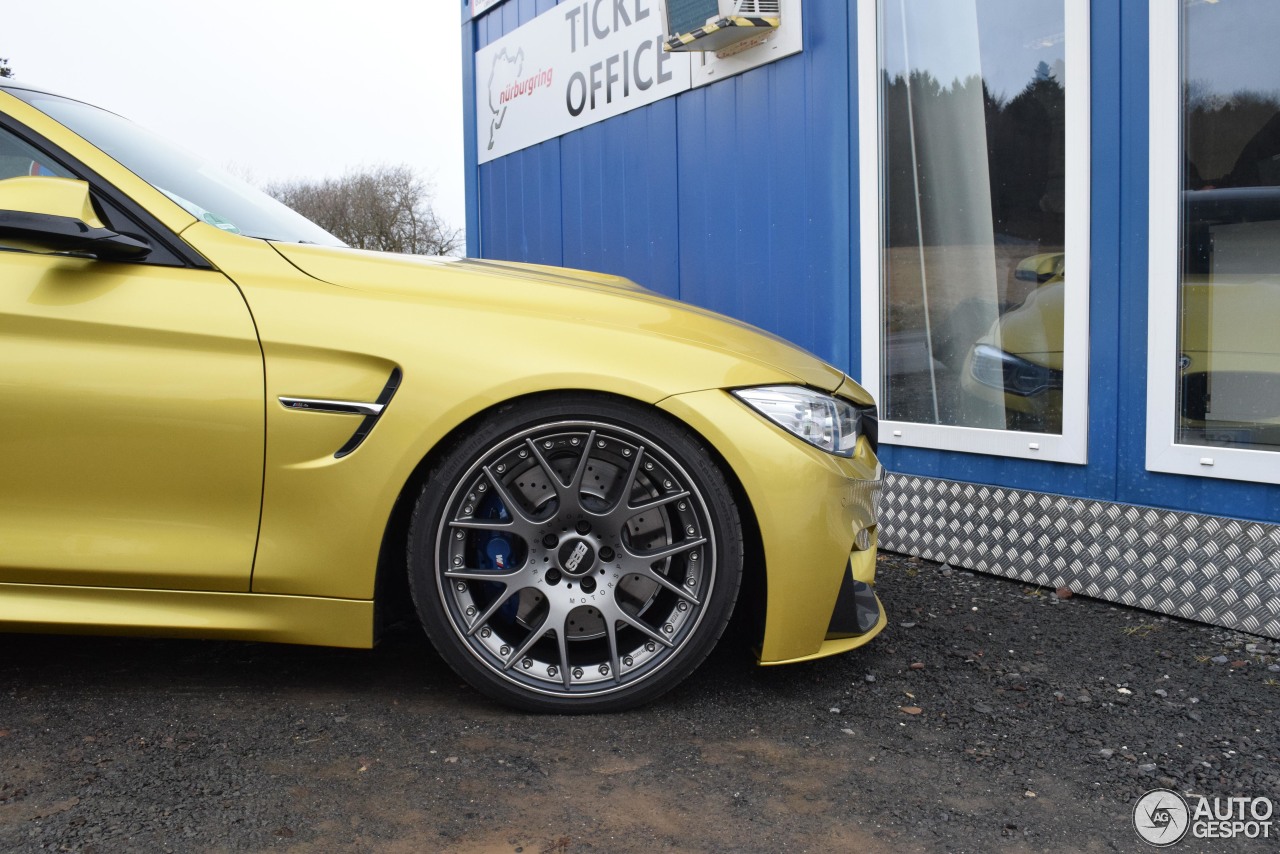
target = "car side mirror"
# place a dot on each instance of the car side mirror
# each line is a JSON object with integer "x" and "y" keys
{"x": 42, "y": 214}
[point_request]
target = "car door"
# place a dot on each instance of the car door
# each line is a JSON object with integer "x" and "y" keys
{"x": 131, "y": 409}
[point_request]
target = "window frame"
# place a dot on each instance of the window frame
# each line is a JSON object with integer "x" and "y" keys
{"x": 1071, "y": 446}
{"x": 121, "y": 212}
{"x": 1164, "y": 304}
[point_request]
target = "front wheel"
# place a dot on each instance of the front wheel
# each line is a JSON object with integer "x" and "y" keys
{"x": 581, "y": 554}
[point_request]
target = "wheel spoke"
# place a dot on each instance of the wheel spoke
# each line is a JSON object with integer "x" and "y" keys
{"x": 637, "y": 624}
{"x": 667, "y": 551}
{"x": 615, "y": 661}
{"x": 659, "y": 579}
{"x": 483, "y": 524}
{"x": 563, "y": 640}
{"x": 621, "y": 508}
{"x": 660, "y": 501}
{"x": 469, "y": 574}
{"x": 575, "y": 484}
{"x": 513, "y": 506}
{"x": 535, "y": 635}
{"x": 511, "y": 590}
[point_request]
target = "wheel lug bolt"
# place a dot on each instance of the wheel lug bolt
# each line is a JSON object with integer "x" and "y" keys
{"x": 648, "y": 466}
{"x": 693, "y": 556}
{"x": 485, "y": 632}
{"x": 600, "y": 444}
{"x": 667, "y": 484}
{"x": 471, "y": 612}
{"x": 502, "y": 467}
{"x": 688, "y": 529}
{"x": 552, "y": 670}
{"x": 627, "y": 660}
{"x": 457, "y": 535}
{"x": 583, "y": 527}
{"x": 574, "y": 441}
{"x": 682, "y": 505}
{"x": 682, "y": 606}
{"x": 606, "y": 553}
{"x": 527, "y": 663}
{"x": 460, "y": 587}
{"x": 550, "y": 541}
{"x": 547, "y": 445}
{"x": 523, "y": 453}
{"x": 668, "y": 629}
{"x": 505, "y": 651}
{"x": 604, "y": 670}
{"x": 468, "y": 509}
{"x": 481, "y": 488}
{"x": 457, "y": 561}
{"x": 650, "y": 646}
{"x": 577, "y": 673}
{"x": 626, "y": 452}
{"x": 691, "y": 582}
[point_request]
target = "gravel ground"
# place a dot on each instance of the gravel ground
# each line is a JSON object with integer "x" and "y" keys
{"x": 989, "y": 716}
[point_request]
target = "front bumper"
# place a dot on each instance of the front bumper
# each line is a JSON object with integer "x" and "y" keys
{"x": 817, "y": 516}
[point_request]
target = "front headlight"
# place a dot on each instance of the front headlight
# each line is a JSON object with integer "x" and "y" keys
{"x": 994, "y": 367}
{"x": 823, "y": 421}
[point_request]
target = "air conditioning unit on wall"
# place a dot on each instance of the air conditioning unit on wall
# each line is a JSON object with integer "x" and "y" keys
{"x": 713, "y": 25}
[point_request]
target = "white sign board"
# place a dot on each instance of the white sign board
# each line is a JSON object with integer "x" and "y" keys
{"x": 478, "y": 6}
{"x": 575, "y": 64}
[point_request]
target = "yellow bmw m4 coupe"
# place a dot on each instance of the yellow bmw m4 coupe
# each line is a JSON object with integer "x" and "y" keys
{"x": 218, "y": 421}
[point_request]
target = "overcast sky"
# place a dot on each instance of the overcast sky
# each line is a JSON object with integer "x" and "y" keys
{"x": 273, "y": 89}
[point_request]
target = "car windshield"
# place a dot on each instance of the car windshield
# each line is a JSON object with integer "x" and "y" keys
{"x": 205, "y": 191}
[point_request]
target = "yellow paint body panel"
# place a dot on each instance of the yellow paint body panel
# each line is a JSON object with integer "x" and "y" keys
{"x": 130, "y": 425}
{"x": 158, "y": 486}
{"x": 185, "y": 613}
{"x": 838, "y": 645}
{"x": 809, "y": 504}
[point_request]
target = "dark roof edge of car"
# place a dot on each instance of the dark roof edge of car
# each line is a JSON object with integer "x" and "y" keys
{"x": 15, "y": 83}
{"x": 12, "y": 83}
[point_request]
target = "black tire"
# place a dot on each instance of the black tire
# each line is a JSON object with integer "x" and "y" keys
{"x": 576, "y": 553}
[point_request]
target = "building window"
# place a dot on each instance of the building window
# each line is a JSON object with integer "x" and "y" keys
{"x": 1214, "y": 295}
{"x": 974, "y": 150}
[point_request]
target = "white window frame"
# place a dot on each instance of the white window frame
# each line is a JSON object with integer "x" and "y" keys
{"x": 1072, "y": 445}
{"x": 1164, "y": 454}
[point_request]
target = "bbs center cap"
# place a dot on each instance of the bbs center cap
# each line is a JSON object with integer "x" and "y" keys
{"x": 576, "y": 557}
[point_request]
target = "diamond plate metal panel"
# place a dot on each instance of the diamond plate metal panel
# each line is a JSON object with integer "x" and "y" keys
{"x": 1213, "y": 569}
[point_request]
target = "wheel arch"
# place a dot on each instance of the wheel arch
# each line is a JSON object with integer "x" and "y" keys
{"x": 392, "y": 600}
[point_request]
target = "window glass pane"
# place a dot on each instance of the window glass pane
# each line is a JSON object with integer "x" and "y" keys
{"x": 18, "y": 160}
{"x": 1229, "y": 347}
{"x": 972, "y": 99}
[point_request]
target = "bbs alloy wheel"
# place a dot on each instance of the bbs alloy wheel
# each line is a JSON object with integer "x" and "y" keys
{"x": 576, "y": 558}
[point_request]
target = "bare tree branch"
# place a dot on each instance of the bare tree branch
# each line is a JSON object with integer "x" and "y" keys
{"x": 387, "y": 208}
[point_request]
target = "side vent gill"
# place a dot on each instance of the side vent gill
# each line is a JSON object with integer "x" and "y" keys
{"x": 366, "y": 425}
{"x": 371, "y": 412}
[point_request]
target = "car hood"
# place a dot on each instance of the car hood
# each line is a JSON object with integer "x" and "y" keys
{"x": 1034, "y": 330}
{"x": 530, "y": 288}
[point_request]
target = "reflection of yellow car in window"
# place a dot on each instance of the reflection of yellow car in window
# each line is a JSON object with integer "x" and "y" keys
{"x": 1228, "y": 364}
{"x": 1017, "y": 365}
{"x": 218, "y": 421}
